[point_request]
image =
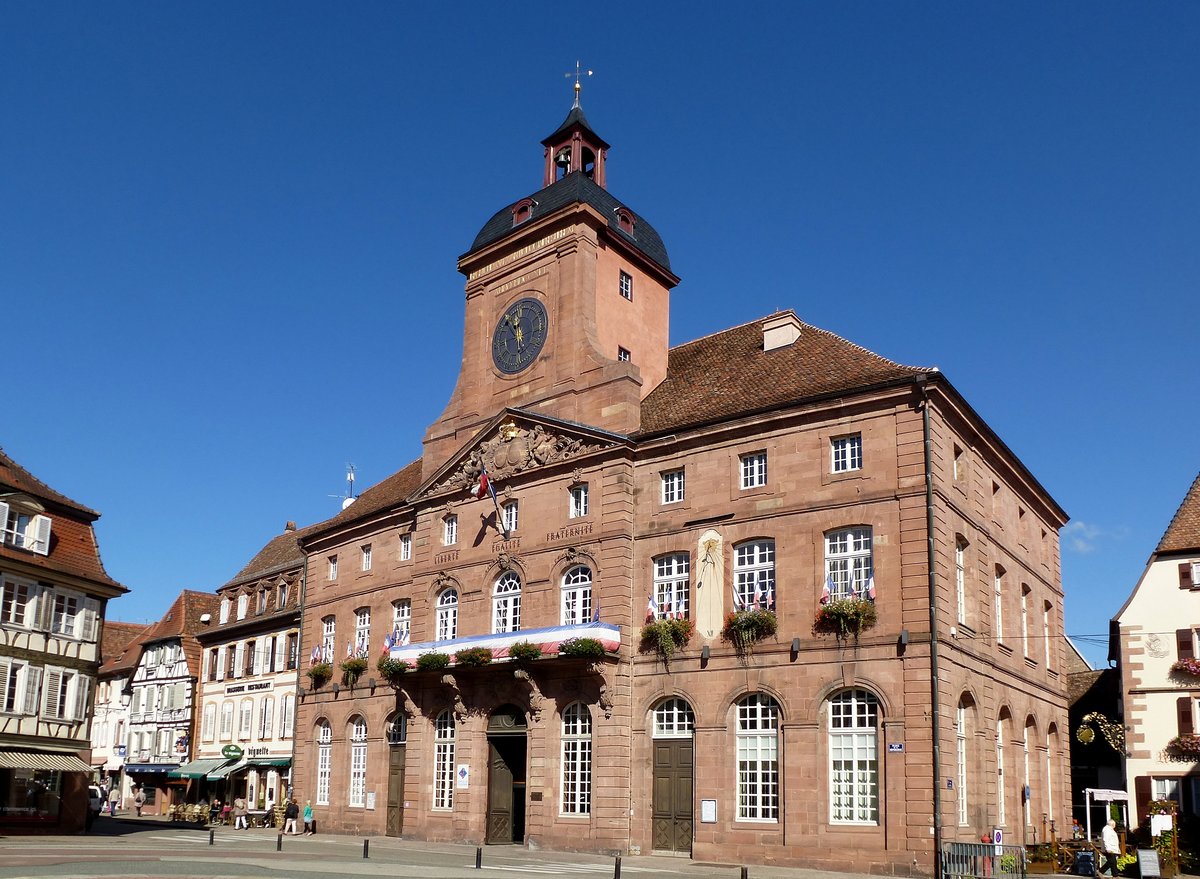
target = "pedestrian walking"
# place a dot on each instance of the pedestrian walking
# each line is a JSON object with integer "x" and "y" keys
{"x": 240, "y": 813}
{"x": 309, "y": 825}
{"x": 290, "y": 813}
{"x": 114, "y": 800}
{"x": 139, "y": 800}
{"x": 1112, "y": 847}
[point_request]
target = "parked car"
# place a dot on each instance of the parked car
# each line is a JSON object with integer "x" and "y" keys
{"x": 95, "y": 799}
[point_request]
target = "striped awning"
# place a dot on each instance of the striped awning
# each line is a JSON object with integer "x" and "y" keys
{"x": 198, "y": 768}
{"x": 226, "y": 767}
{"x": 52, "y": 760}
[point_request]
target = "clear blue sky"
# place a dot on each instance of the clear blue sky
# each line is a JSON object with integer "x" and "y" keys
{"x": 228, "y": 234}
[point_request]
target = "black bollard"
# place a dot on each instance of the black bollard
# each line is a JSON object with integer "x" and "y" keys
{"x": 279, "y": 843}
{"x": 745, "y": 873}
{"x": 211, "y": 834}
{"x": 366, "y": 849}
{"x": 617, "y": 868}
{"x": 478, "y": 858}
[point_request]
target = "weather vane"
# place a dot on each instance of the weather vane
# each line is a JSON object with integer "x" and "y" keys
{"x": 578, "y": 74}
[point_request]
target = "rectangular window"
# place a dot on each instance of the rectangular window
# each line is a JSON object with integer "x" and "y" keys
{"x": 1047, "y": 611}
{"x": 366, "y": 557}
{"x": 324, "y": 762}
{"x": 66, "y": 609}
{"x": 293, "y": 650}
{"x": 998, "y": 612}
{"x": 333, "y": 567}
{"x": 623, "y": 355}
{"x": 358, "y": 774}
{"x": 266, "y": 719}
{"x": 450, "y": 531}
{"x": 245, "y": 719}
{"x": 579, "y": 501}
{"x": 17, "y": 605}
{"x": 401, "y": 621}
{"x": 672, "y": 486}
{"x": 510, "y": 517}
{"x": 671, "y": 585}
{"x": 328, "y": 636}
{"x": 754, "y": 470}
{"x": 405, "y": 547}
{"x": 847, "y": 453}
{"x": 362, "y": 631}
{"x": 1025, "y": 619}
{"x": 12, "y": 686}
{"x": 287, "y": 715}
{"x": 243, "y": 605}
{"x": 626, "y": 285}
{"x": 960, "y": 580}
{"x": 959, "y": 464}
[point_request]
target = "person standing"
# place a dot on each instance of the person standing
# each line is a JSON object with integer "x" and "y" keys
{"x": 114, "y": 800}
{"x": 309, "y": 829}
{"x": 139, "y": 800}
{"x": 1112, "y": 847}
{"x": 239, "y": 814}
{"x": 290, "y": 813}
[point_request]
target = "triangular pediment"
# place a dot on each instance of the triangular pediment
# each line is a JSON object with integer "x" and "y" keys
{"x": 516, "y": 442}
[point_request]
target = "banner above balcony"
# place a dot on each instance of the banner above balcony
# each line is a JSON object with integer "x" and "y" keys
{"x": 548, "y": 639}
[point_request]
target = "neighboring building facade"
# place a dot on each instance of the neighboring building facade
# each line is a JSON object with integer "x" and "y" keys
{"x": 773, "y": 465}
{"x": 119, "y": 654}
{"x": 162, "y": 698}
{"x": 53, "y": 592}
{"x": 1097, "y": 746}
{"x": 248, "y": 680}
{"x": 1155, "y": 641}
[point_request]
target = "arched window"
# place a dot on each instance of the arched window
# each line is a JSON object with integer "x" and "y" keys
{"x": 758, "y": 758}
{"x": 324, "y": 761}
{"x": 397, "y": 731}
{"x": 853, "y": 758}
{"x": 848, "y": 564}
{"x": 576, "y": 760}
{"x": 961, "y": 756}
{"x": 210, "y": 722}
{"x": 506, "y": 603}
{"x": 443, "y": 761}
{"x": 1001, "y": 735}
{"x": 671, "y": 585}
{"x": 1051, "y": 748}
{"x": 1027, "y": 735}
{"x": 754, "y": 573}
{"x": 358, "y": 762}
{"x": 447, "y": 615}
{"x": 673, "y": 719}
{"x": 577, "y": 596}
{"x": 998, "y": 612}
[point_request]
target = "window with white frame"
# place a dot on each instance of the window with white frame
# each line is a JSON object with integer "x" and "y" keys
{"x": 287, "y": 715}
{"x": 333, "y": 566}
{"x": 245, "y": 719}
{"x": 578, "y": 501}
{"x": 510, "y": 516}
{"x": 281, "y": 595}
{"x": 226, "y": 721}
{"x": 1027, "y": 781}
{"x": 625, "y": 285}
{"x": 506, "y": 603}
{"x": 397, "y": 730}
{"x": 1047, "y": 613}
{"x": 405, "y": 547}
{"x": 243, "y": 605}
{"x": 447, "y": 615}
{"x": 624, "y": 355}
{"x": 754, "y": 574}
{"x": 576, "y": 760}
{"x": 1000, "y": 797}
{"x": 1025, "y": 619}
{"x": 960, "y": 760}
{"x": 848, "y": 563}
{"x": 64, "y": 694}
{"x": 671, "y": 592}
{"x": 672, "y": 486}
{"x": 1050, "y": 742}
{"x": 853, "y": 758}
{"x": 362, "y": 631}
{"x": 1166, "y": 789}
{"x": 758, "y": 758}
{"x": 577, "y": 596}
{"x": 208, "y": 729}
{"x": 960, "y": 579}
{"x": 674, "y": 719}
{"x": 443, "y": 761}
{"x": 450, "y": 530}
{"x": 25, "y": 529}
{"x": 18, "y": 605}
{"x": 998, "y": 610}
{"x": 324, "y": 761}
{"x": 846, "y": 453}
{"x": 328, "y": 636}
{"x": 66, "y": 609}
{"x": 402, "y": 621}
{"x": 366, "y": 557}
{"x": 754, "y": 470}
{"x": 266, "y": 719}
{"x": 358, "y": 763}
{"x": 18, "y": 686}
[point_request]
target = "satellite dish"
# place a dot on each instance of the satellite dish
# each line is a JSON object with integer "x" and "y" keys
{"x": 347, "y": 502}
{"x": 204, "y": 618}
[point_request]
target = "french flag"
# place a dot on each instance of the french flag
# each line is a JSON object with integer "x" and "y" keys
{"x": 827, "y": 591}
{"x": 484, "y": 488}
{"x": 388, "y": 643}
{"x": 651, "y": 609}
{"x": 871, "y": 588}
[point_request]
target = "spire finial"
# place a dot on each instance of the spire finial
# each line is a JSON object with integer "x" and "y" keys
{"x": 578, "y": 74}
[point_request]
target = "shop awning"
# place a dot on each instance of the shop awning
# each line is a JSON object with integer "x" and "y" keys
{"x": 198, "y": 768}
{"x": 57, "y": 762}
{"x": 270, "y": 761}
{"x": 224, "y": 770}
{"x": 151, "y": 767}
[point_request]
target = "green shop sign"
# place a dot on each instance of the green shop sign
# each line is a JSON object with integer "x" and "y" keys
{"x": 231, "y": 752}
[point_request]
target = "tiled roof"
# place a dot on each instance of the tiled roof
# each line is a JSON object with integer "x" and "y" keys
{"x": 281, "y": 553}
{"x": 73, "y": 547}
{"x": 1183, "y": 534}
{"x": 182, "y": 620}
{"x": 728, "y": 374}
{"x": 119, "y": 647}
{"x": 391, "y": 492}
{"x": 577, "y": 187}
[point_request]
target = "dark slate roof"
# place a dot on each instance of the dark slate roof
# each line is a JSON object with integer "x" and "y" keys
{"x": 577, "y": 187}
{"x": 1183, "y": 534}
{"x": 576, "y": 117}
{"x": 728, "y": 374}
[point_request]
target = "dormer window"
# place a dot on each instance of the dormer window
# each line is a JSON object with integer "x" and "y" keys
{"x": 243, "y": 605}
{"x": 225, "y": 603}
{"x": 523, "y": 210}
{"x": 23, "y": 525}
{"x": 625, "y": 221}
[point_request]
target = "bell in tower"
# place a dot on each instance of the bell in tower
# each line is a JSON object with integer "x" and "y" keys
{"x": 575, "y": 147}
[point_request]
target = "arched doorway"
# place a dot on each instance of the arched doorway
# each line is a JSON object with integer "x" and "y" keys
{"x": 507, "y": 746}
{"x": 674, "y": 725}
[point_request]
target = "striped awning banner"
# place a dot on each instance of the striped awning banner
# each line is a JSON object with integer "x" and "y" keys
{"x": 52, "y": 760}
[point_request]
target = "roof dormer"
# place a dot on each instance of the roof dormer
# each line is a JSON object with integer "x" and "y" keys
{"x": 24, "y": 524}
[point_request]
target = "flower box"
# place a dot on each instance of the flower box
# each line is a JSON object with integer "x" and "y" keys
{"x": 845, "y": 618}
{"x": 666, "y": 636}
{"x": 320, "y": 673}
{"x": 745, "y": 627}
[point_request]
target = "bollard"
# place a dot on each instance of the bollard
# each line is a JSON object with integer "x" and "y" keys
{"x": 279, "y": 843}
{"x": 211, "y": 834}
{"x": 366, "y": 848}
{"x": 745, "y": 873}
{"x": 617, "y": 868}
{"x": 478, "y": 858}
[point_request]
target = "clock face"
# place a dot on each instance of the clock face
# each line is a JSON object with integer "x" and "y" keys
{"x": 519, "y": 335}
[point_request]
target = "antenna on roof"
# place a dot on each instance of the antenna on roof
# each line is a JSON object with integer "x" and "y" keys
{"x": 349, "y": 497}
{"x": 578, "y": 74}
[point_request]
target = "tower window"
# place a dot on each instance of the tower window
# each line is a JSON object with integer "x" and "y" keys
{"x": 625, "y": 221}
{"x": 626, "y": 285}
{"x": 522, "y": 211}
{"x": 623, "y": 355}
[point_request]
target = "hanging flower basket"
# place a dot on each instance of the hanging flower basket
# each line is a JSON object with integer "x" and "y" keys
{"x": 391, "y": 670}
{"x": 353, "y": 668}
{"x": 666, "y": 636}
{"x": 1186, "y": 668}
{"x": 743, "y": 628}
{"x": 433, "y": 661}
{"x": 845, "y": 618}
{"x": 320, "y": 673}
{"x": 523, "y": 652}
{"x": 473, "y": 657}
{"x": 581, "y": 648}
{"x": 1185, "y": 744}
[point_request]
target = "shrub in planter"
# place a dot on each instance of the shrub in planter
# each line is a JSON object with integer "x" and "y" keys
{"x": 473, "y": 657}
{"x": 845, "y": 617}
{"x": 320, "y": 673}
{"x": 433, "y": 661}
{"x": 523, "y": 651}
{"x": 1186, "y": 668}
{"x": 581, "y": 648}
{"x": 391, "y": 669}
{"x": 666, "y": 636}
{"x": 745, "y": 627}
{"x": 353, "y": 668}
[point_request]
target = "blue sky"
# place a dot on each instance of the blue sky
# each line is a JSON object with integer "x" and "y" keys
{"x": 229, "y": 231}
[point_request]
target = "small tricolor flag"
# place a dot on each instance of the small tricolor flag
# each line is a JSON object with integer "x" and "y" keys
{"x": 827, "y": 591}
{"x": 651, "y": 609}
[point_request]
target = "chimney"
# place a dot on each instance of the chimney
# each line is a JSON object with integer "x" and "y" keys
{"x": 780, "y": 330}
{"x": 290, "y": 526}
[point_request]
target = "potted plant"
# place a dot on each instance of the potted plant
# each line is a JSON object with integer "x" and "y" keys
{"x": 666, "y": 636}
{"x": 319, "y": 673}
{"x": 743, "y": 628}
{"x": 1186, "y": 744}
{"x": 473, "y": 657}
{"x": 352, "y": 669}
{"x": 433, "y": 661}
{"x": 845, "y": 617}
{"x": 1186, "y": 668}
{"x": 391, "y": 670}
{"x": 524, "y": 652}
{"x": 1039, "y": 858}
{"x": 581, "y": 648}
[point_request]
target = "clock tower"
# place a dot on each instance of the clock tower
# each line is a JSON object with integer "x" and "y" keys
{"x": 567, "y": 303}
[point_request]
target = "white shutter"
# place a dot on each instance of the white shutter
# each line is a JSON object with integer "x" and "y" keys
{"x": 90, "y": 617}
{"x": 286, "y": 708}
{"x": 4, "y": 672}
{"x": 4, "y": 537}
{"x": 210, "y": 718}
{"x": 44, "y": 608}
{"x": 280, "y": 652}
{"x": 239, "y": 656}
{"x": 33, "y": 677}
{"x": 82, "y": 690}
{"x": 40, "y": 528}
{"x": 258, "y": 646}
{"x": 54, "y": 683}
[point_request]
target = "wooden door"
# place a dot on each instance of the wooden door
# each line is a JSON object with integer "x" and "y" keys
{"x": 395, "y": 803}
{"x": 500, "y": 796}
{"x": 672, "y": 830}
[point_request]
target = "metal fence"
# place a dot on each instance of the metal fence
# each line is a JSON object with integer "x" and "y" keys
{"x": 978, "y": 860}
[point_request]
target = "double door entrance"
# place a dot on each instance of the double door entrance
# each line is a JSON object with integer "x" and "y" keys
{"x": 507, "y": 746}
{"x": 672, "y": 796}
